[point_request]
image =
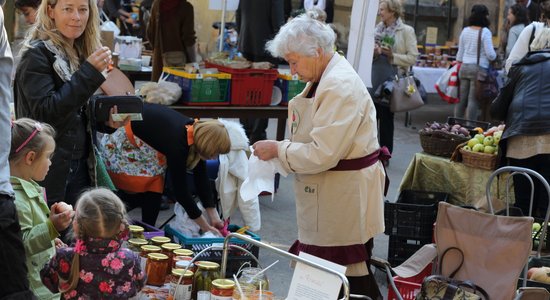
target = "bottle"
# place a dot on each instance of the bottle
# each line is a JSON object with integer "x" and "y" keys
{"x": 135, "y": 244}
{"x": 184, "y": 289}
{"x": 145, "y": 250}
{"x": 168, "y": 250}
{"x": 136, "y": 232}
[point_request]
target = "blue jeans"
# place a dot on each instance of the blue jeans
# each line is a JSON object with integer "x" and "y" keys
{"x": 468, "y": 107}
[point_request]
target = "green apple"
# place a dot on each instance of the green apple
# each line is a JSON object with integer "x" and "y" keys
{"x": 478, "y": 147}
{"x": 467, "y": 148}
{"x": 536, "y": 227}
{"x": 480, "y": 137}
{"x": 489, "y": 149}
{"x": 473, "y": 142}
{"x": 488, "y": 141}
{"x": 496, "y": 136}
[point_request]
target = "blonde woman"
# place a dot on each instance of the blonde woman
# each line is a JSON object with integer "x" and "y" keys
{"x": 61, "y": 66}
{"x": 394, "y": 53}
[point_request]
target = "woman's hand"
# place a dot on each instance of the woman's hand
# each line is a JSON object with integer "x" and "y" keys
{"x": 116, "y": 124}
{"x": 387, "y": 52}
{"x": 100, "y": 59}
{"x": 214, "y": 217}
{"x": 60, "y": 220}
{"x": 205, "y": 227}
{"x": 377, "y": 50}
{"x": 266, "y": 150}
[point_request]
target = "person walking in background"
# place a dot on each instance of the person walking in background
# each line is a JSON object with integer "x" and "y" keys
{"x": 96, "y": 267}
{"x": 60, "y": 69}
{"x": 32, "y": 147}
{"x": 333, "y": 151}
{"x": 518, "y": 19}
{"x": 171, "y": 32}
{"x": 257, "y": 22}
{"x": 13, "y": 269}
{"x": 533, "y": 9}
{"x": 395, "y": 52}
{"x": 468, "y": 47}
{"x": 526, "y": 140}
{"x": 28, "y": 8}
{"x": 527, "y": 35}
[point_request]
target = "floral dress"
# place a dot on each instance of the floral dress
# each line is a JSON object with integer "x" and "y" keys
{"x": 107, "y": 271}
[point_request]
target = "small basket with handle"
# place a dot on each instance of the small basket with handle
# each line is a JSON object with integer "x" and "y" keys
{"x": 440, "y": 143}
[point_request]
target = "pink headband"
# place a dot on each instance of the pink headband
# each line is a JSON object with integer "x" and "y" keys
{"x": 37, "y": 128}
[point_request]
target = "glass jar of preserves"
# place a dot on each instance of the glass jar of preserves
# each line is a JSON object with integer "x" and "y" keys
{"x": 184, "y": 252}
{"x": 222, "y": 289}
{"x": 182, "y": 289}
{"x": 145, "y": 250}
{"x": 159, "y": 240}
{"x": 136, "y": 232}
{"x": 185, "y": 263}
{"x": 168, "y": 250}
{"x": 252, "y": 294}
{"x": 207, "y": 271}
{"x": 157, "y": 264}
{"x": 250, "y": 276}
{"x": 135, "y": 244}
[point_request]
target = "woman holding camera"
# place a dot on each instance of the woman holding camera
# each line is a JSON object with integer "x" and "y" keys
{"x": 394, "y": 53}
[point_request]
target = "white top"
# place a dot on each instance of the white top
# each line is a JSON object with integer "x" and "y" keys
{"x": 513, "y": 35}
{"x": 467, "y": 47}
{"x": 521, "y": 47}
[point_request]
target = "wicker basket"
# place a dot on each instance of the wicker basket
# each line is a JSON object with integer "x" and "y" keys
{"x": 440, "y": 143}
{"x": 479, "y": 160}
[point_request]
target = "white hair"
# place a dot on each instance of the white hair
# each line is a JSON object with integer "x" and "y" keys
{"x": 302, "y": 35}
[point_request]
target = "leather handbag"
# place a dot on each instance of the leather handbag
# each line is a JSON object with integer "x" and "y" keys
{"x": 437, "y": 287}
{"x": 486, "y": 85}
{"x": 405, "y": 95}
{"x": 101, "y": 106}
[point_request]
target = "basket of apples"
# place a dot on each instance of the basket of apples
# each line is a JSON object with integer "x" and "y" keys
{"x": 481, "y": 150}
{"x": 441, "y": 139}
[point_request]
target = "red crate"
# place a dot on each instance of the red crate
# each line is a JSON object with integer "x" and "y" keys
{"x": 249, "y": 87}
{"x": 409, "y": 287}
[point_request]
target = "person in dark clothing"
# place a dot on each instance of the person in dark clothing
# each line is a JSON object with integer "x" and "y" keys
{"x": 533, "y": 8}
{"x": 326, "y": 5}
{"x": 257, "y": 22}
{"x": 13, "y": 269}
{"x": 185, "y": 144}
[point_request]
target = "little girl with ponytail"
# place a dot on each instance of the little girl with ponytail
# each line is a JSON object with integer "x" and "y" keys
{"x": 96, "y": 267}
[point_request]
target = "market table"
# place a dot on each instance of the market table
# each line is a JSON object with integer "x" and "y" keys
{"x": 276, "y": 112}
{"x": 465, "y": 185}
{"x": 429, "y": 76}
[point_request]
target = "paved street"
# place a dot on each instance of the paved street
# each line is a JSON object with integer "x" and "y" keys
{"x": 279, "y": 217}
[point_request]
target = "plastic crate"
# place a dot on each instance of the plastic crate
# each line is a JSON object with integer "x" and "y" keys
{"x": 150, "y": 231}
{"x": 290, "y": 86}
{"x": 200, "y": 89}
{"x": 401, "y": 248}
{"x": 236, "y": 257}
{"x": 409, "y": 287}
{"x": 249, "y": 87}
{"x": 413, "y": 215}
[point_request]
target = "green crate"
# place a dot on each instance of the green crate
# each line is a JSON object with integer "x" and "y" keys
{"x": 200, "y": 89}
{"x": 290, "y": 87}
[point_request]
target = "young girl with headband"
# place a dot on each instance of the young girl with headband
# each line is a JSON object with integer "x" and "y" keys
{"x": 97, "y": 267}
{"x": 32, "y": 147}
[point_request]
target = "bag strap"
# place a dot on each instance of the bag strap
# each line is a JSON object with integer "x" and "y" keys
{"x": 479, "y": 44}
{"x": 440, "y": 267}
{"x": 531, "y": 39}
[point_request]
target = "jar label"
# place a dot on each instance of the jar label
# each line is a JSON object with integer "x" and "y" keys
{"x": 183, "y": 292}
{"x": 204, "y": 295}
{"x": 214, "y": 297}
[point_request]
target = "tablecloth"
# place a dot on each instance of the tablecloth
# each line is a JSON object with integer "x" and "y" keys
{"x": 429, "y": 76}
{"x": 466, "y": 185}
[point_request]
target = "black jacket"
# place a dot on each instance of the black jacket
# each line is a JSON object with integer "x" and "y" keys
{"x": 524, "y": 102}
{"x": 41, "y": 94}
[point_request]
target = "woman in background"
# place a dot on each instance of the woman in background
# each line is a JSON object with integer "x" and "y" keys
{"x": 395, "y": 52}
{"x": 469, "y": 107}
{"x": 518, "y": 19}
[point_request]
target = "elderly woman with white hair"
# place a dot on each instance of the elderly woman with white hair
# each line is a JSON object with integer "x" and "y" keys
{"x": 333, "y": 151}
{"x": 525, "y": 107}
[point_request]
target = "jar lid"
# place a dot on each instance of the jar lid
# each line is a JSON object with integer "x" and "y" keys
{"x": 137, "y": 242}
{"x": 184, "y": 252}
{"x": 223, "y": 283}
{"x": 150, "y": 248}
{"x": 170, "y": 246}
{"x": 179, "y": 272}
{"x": 157, "y": 256}
{"x": 207, "y": 265}
{"x": 160, "y": 239}
{"x": 135, "y": 228}
{"x": 182, "y": 264}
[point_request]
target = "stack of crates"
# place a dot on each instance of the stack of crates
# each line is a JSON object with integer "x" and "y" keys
{"x": 410, "y": 222}
{"x": 200, "y": 89}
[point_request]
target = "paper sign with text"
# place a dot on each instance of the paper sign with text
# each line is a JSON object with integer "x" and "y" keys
{"x": 309, "y": 283}
{"x": 431, "y": 35}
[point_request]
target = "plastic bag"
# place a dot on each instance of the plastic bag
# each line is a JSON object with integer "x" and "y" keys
{"x": 163, "y": 92}
{"x": 110, "y": 26}
{"x": 447, "y": 85}
{"x": 185, "y": 225}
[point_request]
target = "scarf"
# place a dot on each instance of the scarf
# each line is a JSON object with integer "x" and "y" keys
{"x": 381, "y": 30}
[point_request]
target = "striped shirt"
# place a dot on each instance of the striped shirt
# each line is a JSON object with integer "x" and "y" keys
{"x": 467, "y": 47}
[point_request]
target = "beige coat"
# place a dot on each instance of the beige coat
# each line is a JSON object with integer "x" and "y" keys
{"x": 404, "y": 50}
{"x": 334, "y": 208}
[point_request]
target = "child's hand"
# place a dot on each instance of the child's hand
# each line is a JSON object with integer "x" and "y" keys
{"x": 60, "y": 220}
{"x": 59, "y": 243}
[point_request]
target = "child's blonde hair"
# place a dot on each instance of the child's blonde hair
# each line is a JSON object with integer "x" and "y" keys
{"x": 211, "y": 138}
{"x": 99, "y": 213}
{"x": 28, "y": 135}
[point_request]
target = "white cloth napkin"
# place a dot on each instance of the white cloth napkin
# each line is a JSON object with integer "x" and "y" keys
{"x": 261, "y": 177}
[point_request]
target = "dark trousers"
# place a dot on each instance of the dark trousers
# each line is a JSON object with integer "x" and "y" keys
{"x": 522, "y": 187}
{"x": 365, "y": 285}
{"x": 385, "y": 126}
{"x": 78, "y": 180}
{"x": 13, "y": 269}
{"x": 255, "y": 129}
{"x": 148, "y": 201}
